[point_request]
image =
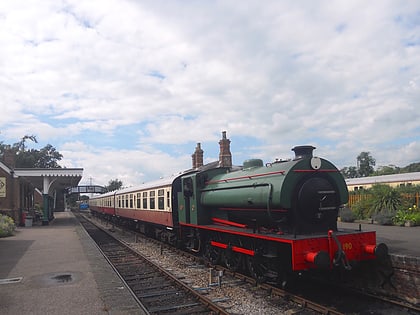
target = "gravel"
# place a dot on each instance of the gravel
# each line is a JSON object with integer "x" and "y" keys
{"x": 236, "y": 296}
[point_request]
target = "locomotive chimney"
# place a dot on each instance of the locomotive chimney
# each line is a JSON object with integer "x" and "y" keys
{"x": 303, "y": 151}
{"x": 225, "y": 157}
{"x": 197, "y": 157}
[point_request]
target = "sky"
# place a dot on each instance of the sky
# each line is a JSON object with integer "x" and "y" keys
{"x": 125, "y": 89}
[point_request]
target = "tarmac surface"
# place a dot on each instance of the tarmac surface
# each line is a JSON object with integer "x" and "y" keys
{"x": 400, "y": 240}
{"x": 57, "y": 269}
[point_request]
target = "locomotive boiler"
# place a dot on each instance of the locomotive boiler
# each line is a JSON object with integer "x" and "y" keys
{"x": 298, "y": 196}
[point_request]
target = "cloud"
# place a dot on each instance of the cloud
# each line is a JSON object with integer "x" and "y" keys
{"x": 149, "y": 79}
{"x": 134, "y": 167}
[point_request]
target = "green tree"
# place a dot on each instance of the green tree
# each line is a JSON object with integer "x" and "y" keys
{"x": 387, "y": 170}
{"x": 20, "y": 146}
{"x": 365, "y": 164}
{"x": 413, "y": 167}
{"x": 349, "y": 172}
{"x": 47, "y": 157}
{"x": 114, "y": 184}
{"x": 385, "y": 199}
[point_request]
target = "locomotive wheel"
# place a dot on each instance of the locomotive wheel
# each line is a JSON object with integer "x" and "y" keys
{"x": 212, "y": 254}
{"x": 256, "y": 268}
{"x": 232, "y": 260}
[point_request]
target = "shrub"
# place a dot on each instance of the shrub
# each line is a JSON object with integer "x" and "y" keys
{"x": 400, "y": 217}
{"x": 7, "y": 226}
{"x": 384, "y": 218}
{"x": 404, "y": 215}
{"x": 415, "y": 218}
{"x": 362, "y": 209}
{"x": 346, "y": 215}
{"x": 386, "y": 199}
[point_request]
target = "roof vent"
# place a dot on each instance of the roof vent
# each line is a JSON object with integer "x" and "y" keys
{"x": 303, "y": 152}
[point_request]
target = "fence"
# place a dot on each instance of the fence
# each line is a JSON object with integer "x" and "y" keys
{"x": 355, "y": 198}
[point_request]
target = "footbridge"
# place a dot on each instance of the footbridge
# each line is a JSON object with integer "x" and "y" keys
{"x": 90, "y": 189}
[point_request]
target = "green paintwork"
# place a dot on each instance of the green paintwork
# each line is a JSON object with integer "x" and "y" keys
{"x": 259, "y": 187}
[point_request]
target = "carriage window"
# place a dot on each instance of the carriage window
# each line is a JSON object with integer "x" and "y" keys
{"x": 161, "y": 199}
{"x": 168, "y": 199}
{"x": 126, "y": 201}
{"x": 119, "y": 202}
{"x": 131, "y": 200}
{"x": 145, "y": 200}
{"x": 152, "y": 200}
{"x": 138, "y": 200}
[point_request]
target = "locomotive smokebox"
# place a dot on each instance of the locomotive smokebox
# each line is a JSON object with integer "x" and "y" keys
{"x": 303, "y": 152}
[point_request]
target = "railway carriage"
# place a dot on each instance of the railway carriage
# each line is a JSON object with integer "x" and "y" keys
{"x": 269, "y": 219}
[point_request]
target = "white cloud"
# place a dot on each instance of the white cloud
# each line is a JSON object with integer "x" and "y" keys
{"x": 132, "y": 167}
{"x": 130, "y": 75}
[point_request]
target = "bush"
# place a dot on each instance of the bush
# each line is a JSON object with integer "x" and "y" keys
{"x": 411, "y": 214}
{"x": 385, "y": 199}
{"x": 346, "y": 215}
{"x": 362, "y": 209}
{"x": 384, "y": 218}
{"x": 7, "y": 226}
{"x": 415, "y": 218}
{"x": 400, "y": 217}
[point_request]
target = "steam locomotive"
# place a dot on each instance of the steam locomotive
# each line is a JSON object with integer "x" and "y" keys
{"x": 269, "y": 219}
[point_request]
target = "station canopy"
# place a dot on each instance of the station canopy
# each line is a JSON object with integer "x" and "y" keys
{"x": 49, "y": 179}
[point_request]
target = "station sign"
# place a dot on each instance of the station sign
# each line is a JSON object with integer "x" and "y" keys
{"x": 2, "y": 187}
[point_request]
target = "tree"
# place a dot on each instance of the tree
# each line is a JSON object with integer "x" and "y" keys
{"x": 20, "y": 146}
{"x": 365, "y": 163}
{"x": 349, "y": 172}
{"x": 113, "y": 184}
{"x": 26, "y": 159}
{"x": 387, "y": 170}
{"x": 413, "y": 167}
{"x": 47, "y": 157}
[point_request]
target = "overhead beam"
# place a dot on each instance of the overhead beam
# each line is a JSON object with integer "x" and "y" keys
{"x": 91, "y": 189}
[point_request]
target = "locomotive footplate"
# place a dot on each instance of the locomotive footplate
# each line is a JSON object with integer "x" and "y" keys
{"x": 333, "y": 249}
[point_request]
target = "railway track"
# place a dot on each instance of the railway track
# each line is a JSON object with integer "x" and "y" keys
{"x": 157, "y": 290}
{"x": 335, "y": 302}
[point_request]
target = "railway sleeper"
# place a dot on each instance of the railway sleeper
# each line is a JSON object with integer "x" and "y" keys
{"x": 186, "y": 308}
{"x": 157, "y": 294}
{"x": 143, "y": 287}
{"x": 169, "y": 299}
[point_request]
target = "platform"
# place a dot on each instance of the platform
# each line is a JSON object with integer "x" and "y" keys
{"x": 399, "y": 239}
{"x": 57, "y": 269}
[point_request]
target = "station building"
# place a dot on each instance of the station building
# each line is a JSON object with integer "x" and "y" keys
{"x": 393, "y": 180}
{"x": 34, "y": 191}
